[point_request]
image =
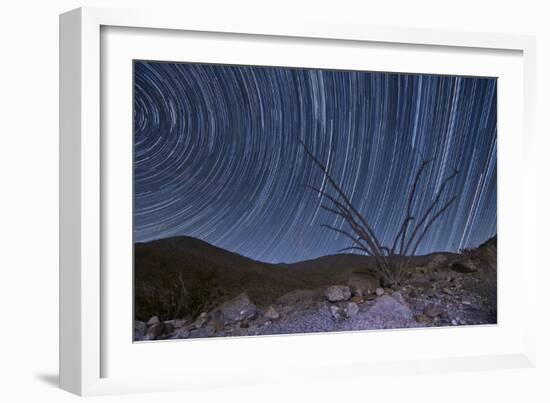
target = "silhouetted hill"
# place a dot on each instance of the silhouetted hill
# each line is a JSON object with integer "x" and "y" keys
{"x": 167, "y": 269}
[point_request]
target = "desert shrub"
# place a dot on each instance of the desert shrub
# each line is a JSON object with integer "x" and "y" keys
{"x": 392, "y": 259}
{"x": 173, "y": 297}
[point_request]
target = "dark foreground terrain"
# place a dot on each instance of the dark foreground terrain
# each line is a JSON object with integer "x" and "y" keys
{"x": 187, "y": 288}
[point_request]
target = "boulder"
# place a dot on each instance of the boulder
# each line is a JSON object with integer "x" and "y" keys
{"x": 357, "y": 298}
{"x": 271, "y": 313}
{"x": 336, "y": 293}
{"x": 176, "y": 323}
{"x": 379, "y": 291}
{"x": 168, "y": 328}
{"x": 237, "y": 309}
{"x": 154, "y": 331}
{"x": 153, "y": 321}
{"x": 207, "y": 331}
{"x": 217, "y": 320}
{"x": 140, "y": 329}
{"x": 386, "y": 308}
{"x": 363, "y": 283}
{"x": 201, "y": 320}
{"x": 352, "y": 309}
{"x": 336, "y": 311}
{"x": 398, "y": 297}
{"x": 180, "y": 334}
{"x": 242, "y": 331}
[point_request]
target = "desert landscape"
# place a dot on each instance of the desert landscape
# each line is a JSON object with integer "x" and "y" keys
{"x": 187, "y": 288}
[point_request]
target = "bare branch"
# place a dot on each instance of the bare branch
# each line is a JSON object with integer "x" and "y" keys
{"x": 344, "y": 233}
{"x": 389, "y": 266}
{"x": 408, "y": 212}
{"x": 394, "y": 245}
{"x": 386, "y": 249}
{"x": 333, "y": 183}
{"x": 432, "y": 220}
{"x": 345, "y": 212}
{"x": 353, "y": 248}
{"x": 430, "y": 209}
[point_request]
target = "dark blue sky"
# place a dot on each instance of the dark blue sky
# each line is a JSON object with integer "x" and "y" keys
{"x": 217, "y": 155}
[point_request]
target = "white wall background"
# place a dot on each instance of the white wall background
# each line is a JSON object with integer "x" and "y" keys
{"x": 29, "y": 196}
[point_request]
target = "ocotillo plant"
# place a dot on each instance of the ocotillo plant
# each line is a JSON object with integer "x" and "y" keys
{"x": 391, "y": 260}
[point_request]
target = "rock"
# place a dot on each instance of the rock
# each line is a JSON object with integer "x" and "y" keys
{"x": 464, "y": 266}
{"x": 140, "y": 329}
{"x": 398, "y": 297}
{"x": 201, "y": 320}
{"x": 424, "y": 319}
{"x": 242, "y": 331}
{"x": 454, "y": 322}
{"x": 176, "y": 323}
{"x": 336, "y": 311}
{"x": 379, "y": 291}
{"x": 370, "y": 297}
{"x": 287, "y": 309}
{"x": 217, "y": 320}
{"x": 357, "y": 298}
{"x": 181, "y": 334}
{"x": 168, "y": 328}
{"x": 206, "y": 331}
{"x": 447, "y": 291}
{"x": 271, "y": 313}
{"x": 153, "y": 321}
{"x": 154, "y": 331}
{"x": 338, "y": 293}
{"x": 238, "y": 309}
{"x": 387, "y": 308}
{"x": 363, "y": 283}
{"x": 352, "y": 309}
{"x": 433, "y": 311}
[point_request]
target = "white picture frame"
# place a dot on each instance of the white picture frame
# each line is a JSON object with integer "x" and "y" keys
{"x": 87, "y": 309}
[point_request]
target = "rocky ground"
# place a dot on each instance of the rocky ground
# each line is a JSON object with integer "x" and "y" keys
{"x": 445, "y": 290}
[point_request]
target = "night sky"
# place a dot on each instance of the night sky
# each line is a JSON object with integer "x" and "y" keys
{"x": 217, "y": 155}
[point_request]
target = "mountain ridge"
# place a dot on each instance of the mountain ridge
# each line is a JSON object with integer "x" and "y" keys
{"x": 184, "y": 275}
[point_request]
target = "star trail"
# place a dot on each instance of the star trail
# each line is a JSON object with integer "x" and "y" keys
{"x": 217, "y": 155}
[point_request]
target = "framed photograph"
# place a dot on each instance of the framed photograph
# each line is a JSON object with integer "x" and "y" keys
{"x": 239, "y": 196}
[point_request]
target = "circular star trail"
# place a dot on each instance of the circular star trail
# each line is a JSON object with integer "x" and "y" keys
{"x": 217, "y": 155}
